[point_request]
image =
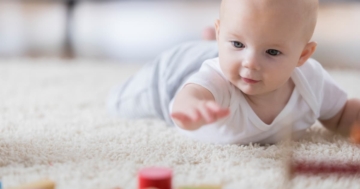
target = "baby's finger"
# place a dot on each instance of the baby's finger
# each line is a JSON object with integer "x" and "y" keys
{"x": 194, "y": 115}
{"x": 186, "y": 122}
{"x": 181, "y": 117}
{"x": 218, "y": 111}
{"x": 213, "y": 106}
{"x": 207, "y": 114}
{"x": 223, "y": 113}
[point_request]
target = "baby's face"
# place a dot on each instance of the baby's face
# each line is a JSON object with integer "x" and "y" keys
{"x": 259, "y": 45}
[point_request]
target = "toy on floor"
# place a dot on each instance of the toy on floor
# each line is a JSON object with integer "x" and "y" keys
{"x": 42, "y": 184}
{"x": 315, "y": 168}
{"x": 155, "y": 177}
{"x": 148, "y": 178}
{"x": 160, "y": 178}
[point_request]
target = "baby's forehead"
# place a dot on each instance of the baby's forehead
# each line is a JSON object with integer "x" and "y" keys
{"x": 263, "y": 8}
{"x": 288, "y": 14}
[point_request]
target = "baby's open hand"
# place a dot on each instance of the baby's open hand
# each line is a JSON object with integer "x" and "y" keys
{"x": 205, "y": 112}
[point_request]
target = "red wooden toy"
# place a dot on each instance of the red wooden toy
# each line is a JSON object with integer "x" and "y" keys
{"x": 155, "y": 177}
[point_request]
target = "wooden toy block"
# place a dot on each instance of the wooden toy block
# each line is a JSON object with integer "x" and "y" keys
{"x": 201, "y": 187}
{"x": 42, "y": 184}
{"x": 316, "y": 168}
{"x": 310, "y": 168}
{"x": 155, "y": 177}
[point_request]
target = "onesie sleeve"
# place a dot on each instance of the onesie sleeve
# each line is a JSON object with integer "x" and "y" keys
{"x": 210, "y": 77}
{"x": 334, "y": 97}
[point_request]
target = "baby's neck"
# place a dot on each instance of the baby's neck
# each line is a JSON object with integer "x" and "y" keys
{"x": 268, "y": 106}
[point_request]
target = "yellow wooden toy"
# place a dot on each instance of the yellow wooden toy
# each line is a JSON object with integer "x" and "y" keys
{"x": 42, "y": 184}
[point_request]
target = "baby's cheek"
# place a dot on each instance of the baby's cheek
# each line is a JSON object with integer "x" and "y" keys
{"x": 276, "y": 77}
{"x": 233, "y": 75}
{"x": 270, "y": 82}
{"x": 226, "y": 68}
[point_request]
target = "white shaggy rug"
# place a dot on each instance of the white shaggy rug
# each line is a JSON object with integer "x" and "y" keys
{"x": 53, "y": 124}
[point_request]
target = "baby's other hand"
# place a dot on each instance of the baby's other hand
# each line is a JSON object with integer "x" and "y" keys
{"x": 205, "y": 112}
{"x": 355, "y": 132}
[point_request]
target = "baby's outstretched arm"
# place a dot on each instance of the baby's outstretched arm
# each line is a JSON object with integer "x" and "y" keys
{"x": 342, "y": 121}
{"x": 195, "y": 106}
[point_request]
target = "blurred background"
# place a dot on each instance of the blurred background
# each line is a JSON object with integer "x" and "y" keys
{"x": 129, "y": 31}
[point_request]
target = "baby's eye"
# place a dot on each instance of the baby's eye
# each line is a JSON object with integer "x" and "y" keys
{"x": 237, "y": 44}
{"x": 273, "y": 52}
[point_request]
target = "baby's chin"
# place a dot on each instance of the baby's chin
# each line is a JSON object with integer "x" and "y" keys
{"x": 250, "y": 90}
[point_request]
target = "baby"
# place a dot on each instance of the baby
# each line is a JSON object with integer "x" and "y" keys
{"x": 255, "y": 82}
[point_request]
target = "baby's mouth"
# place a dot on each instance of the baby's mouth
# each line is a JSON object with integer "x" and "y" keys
{"x": 250, "y": 81}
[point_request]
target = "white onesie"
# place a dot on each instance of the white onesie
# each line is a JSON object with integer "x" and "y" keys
{"x": 316, "y": 96}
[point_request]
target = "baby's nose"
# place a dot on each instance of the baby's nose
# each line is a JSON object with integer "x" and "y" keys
{"x": 251, "y": 62}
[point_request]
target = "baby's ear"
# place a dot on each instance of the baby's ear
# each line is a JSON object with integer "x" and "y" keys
{"x": 307, "y": 52}
{"x": 217, "y": 28}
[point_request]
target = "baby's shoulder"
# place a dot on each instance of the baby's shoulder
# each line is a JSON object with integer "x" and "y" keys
{"x": 311, "y": 65}
{"x": 310, "y": 79}
{"x": 312, "y": 70}
{"x": 213, "y": 66}
{"x": 212, "y": 63}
